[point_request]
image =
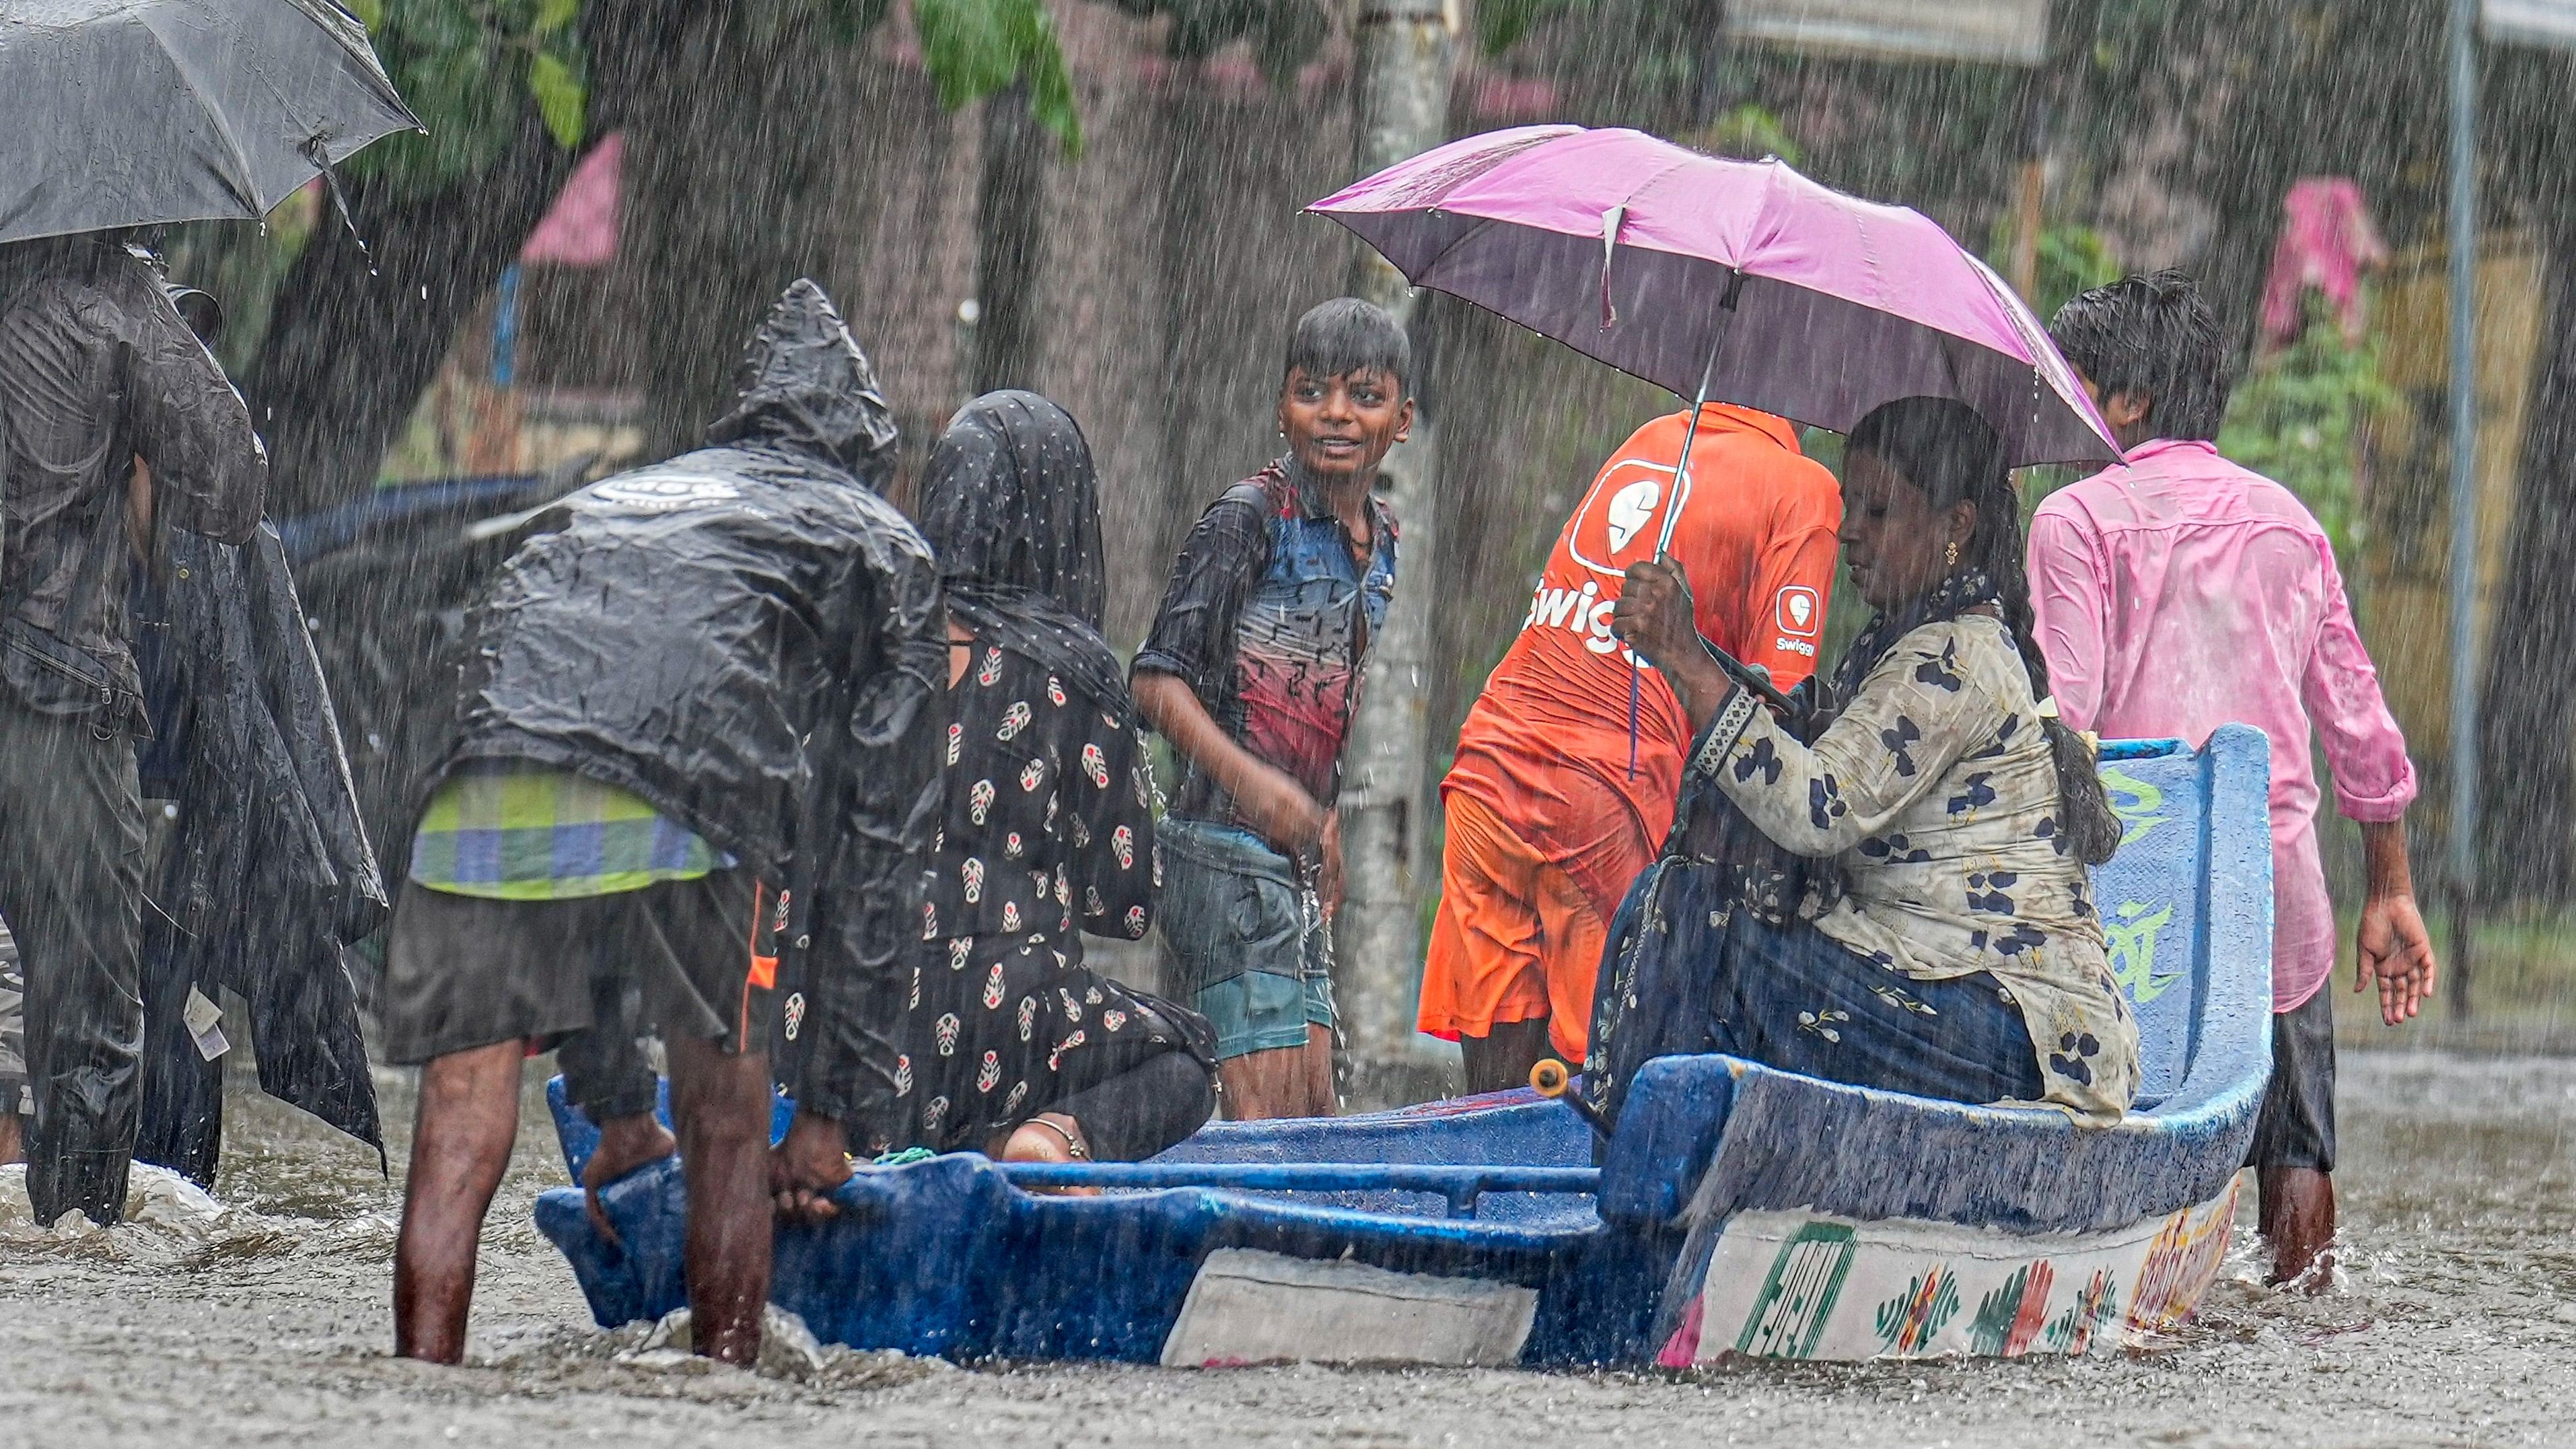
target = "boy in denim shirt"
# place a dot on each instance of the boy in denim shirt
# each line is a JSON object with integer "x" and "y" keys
{"x": 1252, "y": 671}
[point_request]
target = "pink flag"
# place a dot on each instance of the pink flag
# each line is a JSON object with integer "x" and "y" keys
{"x": 580, "y": 229}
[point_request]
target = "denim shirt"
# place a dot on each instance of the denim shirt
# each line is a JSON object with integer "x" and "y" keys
{"x": 1269, "y": 617}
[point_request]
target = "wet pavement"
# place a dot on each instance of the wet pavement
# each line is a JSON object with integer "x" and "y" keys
{"x": 2455, "y": 1324}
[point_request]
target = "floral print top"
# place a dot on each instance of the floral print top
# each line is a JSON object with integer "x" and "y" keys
{"x": 1936, "y": 793}
{"x": 1050, "y": 811}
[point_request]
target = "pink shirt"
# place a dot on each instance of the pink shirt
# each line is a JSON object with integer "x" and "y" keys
{"x": 2181, "y": 592}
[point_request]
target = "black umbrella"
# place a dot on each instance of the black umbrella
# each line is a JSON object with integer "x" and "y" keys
{"x": 132, "y": 112}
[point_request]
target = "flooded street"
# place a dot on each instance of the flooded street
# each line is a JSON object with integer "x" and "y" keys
{"x": 2457, "y": 1326}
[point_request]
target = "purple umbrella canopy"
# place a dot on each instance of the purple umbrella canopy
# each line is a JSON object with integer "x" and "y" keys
{"x": 1782, "y": 294}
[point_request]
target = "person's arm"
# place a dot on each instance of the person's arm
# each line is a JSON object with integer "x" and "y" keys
{"x": 2374, "y": 782}
{"x": 1117, "y": 869}
{"x": 2070, "y": 600}
{"x": 1268, "y": 798}
{"x": 1193, "y": 634}
{"x": 1888, "y": 747}
{"x": 2393, "y": 948}
{"x": 209, "y": 473}
{"x": 878, "y": 766}
{"x": 1784, "y": 615}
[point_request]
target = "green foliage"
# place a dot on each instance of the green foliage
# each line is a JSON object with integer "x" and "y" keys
{"x": 1285, "y": 34}
{"x": 469, "y": 68}
{"x": 1501, "y": 24}
{"x": 975, "y": 48}
{"x": 2298, "y": 419}
{"x": 1751, "y": 131}
{"x": 2072, "y": 259}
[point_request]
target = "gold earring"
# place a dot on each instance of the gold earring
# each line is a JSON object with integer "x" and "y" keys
{"x": 1950, "y": 555}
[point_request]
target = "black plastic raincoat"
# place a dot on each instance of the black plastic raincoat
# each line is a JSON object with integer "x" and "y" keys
{"x": 750, "y": 638}
{"x": 269, "y": 874}
{"x": 98, "y": 368}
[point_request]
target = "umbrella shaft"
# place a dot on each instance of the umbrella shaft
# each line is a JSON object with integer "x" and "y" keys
{"x": 1690, "y": 435}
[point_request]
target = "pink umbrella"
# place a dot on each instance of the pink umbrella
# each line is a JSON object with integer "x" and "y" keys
{"x": 1745, "y": 278}
{"x": 1767, "y": 289}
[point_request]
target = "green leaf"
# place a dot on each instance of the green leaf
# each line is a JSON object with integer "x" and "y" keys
{"x": 561, "y": 97}
{"x": 1501, "y": 24}
{"x": 974, "y": 48}
{"x": 1051, "y": 94}
{"x": 968, "y": 47}
{"x": 555, "y": 15}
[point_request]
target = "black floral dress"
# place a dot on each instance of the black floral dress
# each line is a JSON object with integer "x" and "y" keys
{"x": 1048, "y": 826}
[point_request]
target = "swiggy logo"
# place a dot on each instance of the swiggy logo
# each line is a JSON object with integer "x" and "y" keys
{"x": 1622, "y": 517}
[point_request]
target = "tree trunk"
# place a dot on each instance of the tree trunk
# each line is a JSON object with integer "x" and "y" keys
{"x": 357, "y": 334}
{"x": 2530, "y": 695}
{"x": 1010, "y": 211}
{"x": 1405, "y": 58}
{"x": 724, "y": 155}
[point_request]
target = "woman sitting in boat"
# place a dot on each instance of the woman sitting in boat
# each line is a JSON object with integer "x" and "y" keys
{"x": 1914, "y": 912}
{"x": 1010, "y": 1045}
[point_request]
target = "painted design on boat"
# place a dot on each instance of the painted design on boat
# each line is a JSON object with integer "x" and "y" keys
{"x": 2130, "y": 934}
{"x": 1895, "y": 1289}
{"x": 1914, "y": 1317}
{"x": 2140, "y": 805}
{"x": 1799, "y": 1294}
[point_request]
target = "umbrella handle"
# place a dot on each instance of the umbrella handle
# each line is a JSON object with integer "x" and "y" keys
{"x": 1681, "y": 469}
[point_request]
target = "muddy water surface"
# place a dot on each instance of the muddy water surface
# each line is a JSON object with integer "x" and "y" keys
{"x": 2456, "y": 1324}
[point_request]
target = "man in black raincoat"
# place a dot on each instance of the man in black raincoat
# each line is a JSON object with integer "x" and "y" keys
{"x": 112, "y": 417}
{"x": 699, "y": 717}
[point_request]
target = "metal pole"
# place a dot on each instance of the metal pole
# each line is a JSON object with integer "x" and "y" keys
{"x": 2464, "y": 489}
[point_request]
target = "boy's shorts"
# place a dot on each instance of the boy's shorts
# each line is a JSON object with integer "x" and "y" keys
{"x": 2297, "y": 1124}
{"x": 1246, "y": 938}
{"x": 699, "y": 956}
{"x": 1515, "y": 938}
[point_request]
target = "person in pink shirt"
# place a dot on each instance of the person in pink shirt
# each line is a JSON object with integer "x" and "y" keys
{"x": 2177, "y": 592}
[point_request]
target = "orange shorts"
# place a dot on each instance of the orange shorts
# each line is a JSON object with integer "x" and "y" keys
{"x": 1515, "y": 938}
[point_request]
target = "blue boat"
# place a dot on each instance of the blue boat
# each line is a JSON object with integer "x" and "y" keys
{"x": 1738, "y": 1210}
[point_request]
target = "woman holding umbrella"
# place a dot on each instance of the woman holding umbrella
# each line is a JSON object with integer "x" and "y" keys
{"x": 1951, "y": 950}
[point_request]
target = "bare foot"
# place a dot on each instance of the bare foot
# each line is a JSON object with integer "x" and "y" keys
{"x": 1050, "y": 1137}
{"x": 625, "y": 1144}
{"x": 808, "y": 1167}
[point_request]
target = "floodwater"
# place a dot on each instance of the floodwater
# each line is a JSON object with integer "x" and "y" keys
{"x": 2456, "y": 1324}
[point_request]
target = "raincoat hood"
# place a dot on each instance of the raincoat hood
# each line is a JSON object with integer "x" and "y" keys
{"x": 804, "y": 382}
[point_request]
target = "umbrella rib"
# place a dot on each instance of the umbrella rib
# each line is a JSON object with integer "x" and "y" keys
{"x": 240, "y": 178}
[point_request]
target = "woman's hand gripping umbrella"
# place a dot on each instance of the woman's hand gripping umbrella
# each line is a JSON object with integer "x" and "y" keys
{"x": 1760, "y": 286}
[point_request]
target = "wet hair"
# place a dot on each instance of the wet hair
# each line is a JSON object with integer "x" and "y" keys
{"x": 1347, "y": 335}
{"x": 2152, "y": 336}
{"x": 1945, "y": 450}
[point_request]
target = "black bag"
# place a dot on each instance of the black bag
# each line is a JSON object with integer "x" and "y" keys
{"x": 1776, "y": 884}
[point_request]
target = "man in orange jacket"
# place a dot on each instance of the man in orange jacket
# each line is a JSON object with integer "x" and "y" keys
{"x": 1549, "y": 820}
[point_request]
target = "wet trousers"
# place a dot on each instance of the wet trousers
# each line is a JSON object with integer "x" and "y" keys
{"x": 71, "y": 888}
{"x": 1692, "y": 970}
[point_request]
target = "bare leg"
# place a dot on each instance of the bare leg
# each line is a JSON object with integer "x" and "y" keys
{"x": 13, "y": 1138}
{"x": 721, "y": 1103}
{"x": 1322, "y": 1100}
{"x": 469, "y": 1116}
{"x": 625, "y": 1144}
{"x": 1502, "y": 1061}
{"x": 2297, "y": 1218}
{"x": 1265, "y": 1084}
